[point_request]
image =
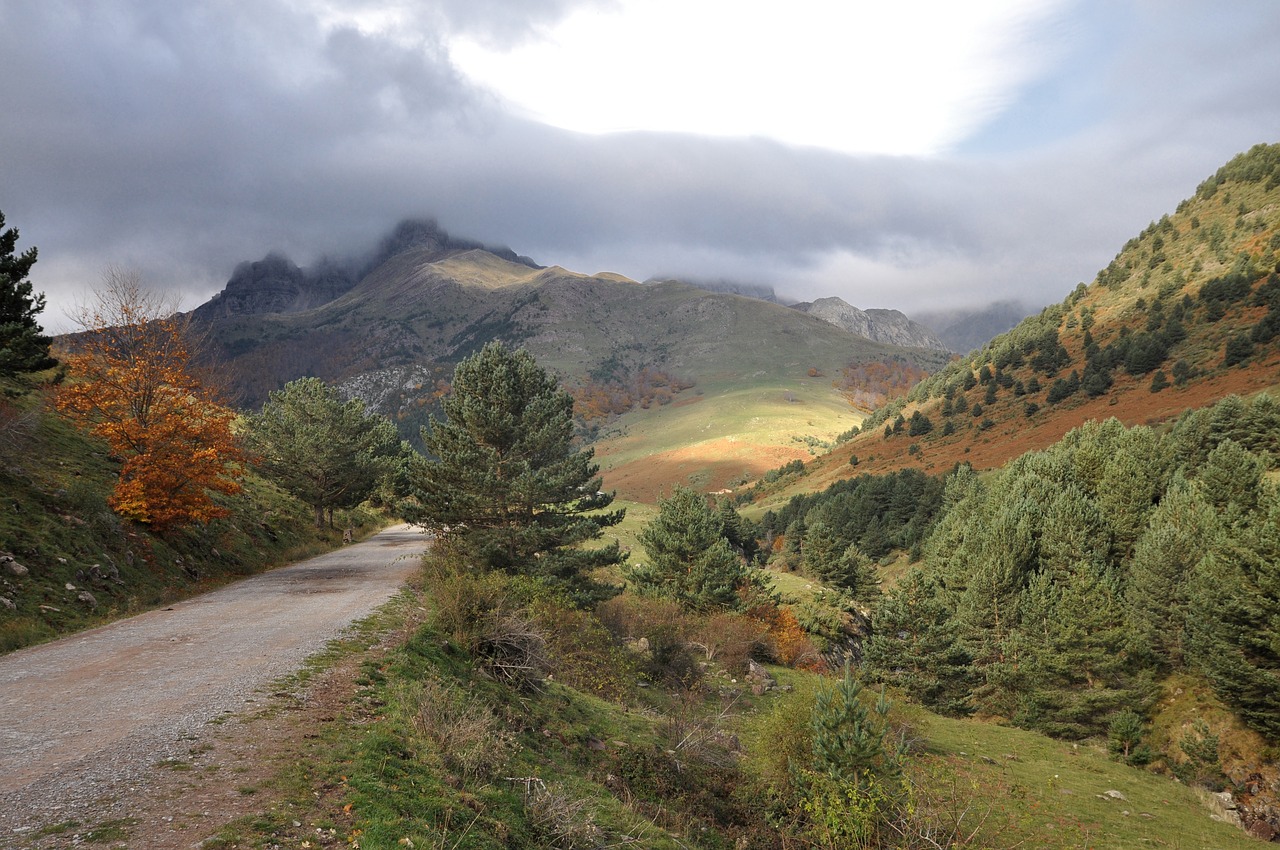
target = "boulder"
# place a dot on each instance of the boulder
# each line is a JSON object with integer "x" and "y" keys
{"x": 11, "y": 566}
{"x": 759, "y": 678}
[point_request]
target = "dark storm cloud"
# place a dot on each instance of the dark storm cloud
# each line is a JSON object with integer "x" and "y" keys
{"x": 183, "y": 138}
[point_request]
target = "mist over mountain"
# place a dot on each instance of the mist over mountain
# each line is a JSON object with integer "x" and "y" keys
{"x": 759, "y": 291}
{"x": 967, "y": 328}
{"x": 275, "y": 284}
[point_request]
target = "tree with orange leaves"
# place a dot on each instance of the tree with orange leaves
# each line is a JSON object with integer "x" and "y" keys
{"x": 134, "y": 384}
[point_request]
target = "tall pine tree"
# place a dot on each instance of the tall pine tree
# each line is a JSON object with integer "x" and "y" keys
{"x": 915, "y": 645}
{"x": 23, "y": 347}
{"x": 505, "y": 484}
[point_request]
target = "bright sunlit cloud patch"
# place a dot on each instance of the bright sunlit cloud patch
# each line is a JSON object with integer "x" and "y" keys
{"x": 847, "y": 75}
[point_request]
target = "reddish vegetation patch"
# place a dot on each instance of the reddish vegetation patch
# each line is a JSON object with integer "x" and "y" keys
{"x": 710, "y": 466}
{"x": 595, "y": 400}
{"x": 866, "y": 386}
{"x": 1130, "y": 401}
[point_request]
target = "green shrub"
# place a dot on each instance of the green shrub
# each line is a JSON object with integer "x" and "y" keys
{"x": 583, "y": 653}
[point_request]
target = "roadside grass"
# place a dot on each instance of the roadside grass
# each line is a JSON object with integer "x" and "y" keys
{"x": 56, "y": 523}
{"x": 558, "y": 767}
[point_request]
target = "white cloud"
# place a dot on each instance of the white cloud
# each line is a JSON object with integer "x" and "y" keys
{"x": 857, "y": 77}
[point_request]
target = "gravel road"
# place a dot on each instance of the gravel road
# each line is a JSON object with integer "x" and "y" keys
{"x": 88, "y": 716}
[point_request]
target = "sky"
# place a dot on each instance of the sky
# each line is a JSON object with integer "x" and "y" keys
{"x": 918, "y": 155}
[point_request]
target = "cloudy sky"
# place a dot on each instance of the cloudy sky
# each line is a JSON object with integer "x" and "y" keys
{"x": 912, "y": 155}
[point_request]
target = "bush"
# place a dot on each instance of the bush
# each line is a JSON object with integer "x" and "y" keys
{"x": 1239, "y": 349}
{"x": 464, "y": 599}
{"x": 660, "y": 625}
{"x": 791, "y": 645}
{"x": 471, "y": 738}
{"x": 562, "y": 821}
{"x": 1203, "y": 765}
{"x": 583, "y": 653}
{"x": 511, "y": 649}
{"x": 731, "y": 639}
{"x": 479, "y": 611}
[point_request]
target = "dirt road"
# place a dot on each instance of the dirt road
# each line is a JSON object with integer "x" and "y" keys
{"x": 91, "y": 715}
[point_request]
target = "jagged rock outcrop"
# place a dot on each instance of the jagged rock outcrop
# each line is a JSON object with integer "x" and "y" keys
{"x": 275, "y": 284}
{"x": 888, "y": 326}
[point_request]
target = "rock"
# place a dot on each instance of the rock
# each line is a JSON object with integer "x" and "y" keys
{"x": 759, "y": 678}
{"x": 11, "y": 566}
{"x": 1262, "y": 830}
{"x": 87, "y": 598}
{"x": 7, "y": 604}
{"x": 1114, "y": 794}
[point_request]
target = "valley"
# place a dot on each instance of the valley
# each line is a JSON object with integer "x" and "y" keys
{"x": 1051, "y": 561}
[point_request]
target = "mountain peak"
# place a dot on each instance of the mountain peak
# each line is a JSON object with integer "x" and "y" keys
{"x": 887, "y": 326}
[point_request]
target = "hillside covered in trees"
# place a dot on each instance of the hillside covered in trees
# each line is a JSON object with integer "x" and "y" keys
{"x": 1186, "y": 314}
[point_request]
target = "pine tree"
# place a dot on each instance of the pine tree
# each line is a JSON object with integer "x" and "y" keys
{"x": 689, "y": 559}
{"x": 1231, "y": 479}
{"x": 915, "y": 646}
{"x": 822, "y": 551}
{"x": 1233, "y": 622}
{"x": 849, "y": 739}
{"x": 1075, "y": 672}
{"x": 1179, "y": 534}
{"x": 23, "y": 348}
{"x": 505, "y": 485}
{"x": 328, "y": 452}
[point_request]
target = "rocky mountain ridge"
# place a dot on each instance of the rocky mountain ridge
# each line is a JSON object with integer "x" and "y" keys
{"x": 275, "y": 284}
{"x": 888, "y": 326}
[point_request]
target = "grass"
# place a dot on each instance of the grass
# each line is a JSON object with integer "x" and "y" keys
{"x": 613, "y": 773}
{"x": 1055, "y": 794}
{"x": 733, "y": 432}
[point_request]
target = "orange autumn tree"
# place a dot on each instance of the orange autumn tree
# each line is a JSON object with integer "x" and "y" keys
{"x": 134, "y": 383}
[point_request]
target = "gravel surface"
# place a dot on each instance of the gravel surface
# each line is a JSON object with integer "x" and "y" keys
{"x": 85, "y": 720}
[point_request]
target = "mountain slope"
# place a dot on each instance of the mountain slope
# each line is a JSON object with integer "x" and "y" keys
{"x": 1187, "y": 313}
{"x": 394, "y": 337}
